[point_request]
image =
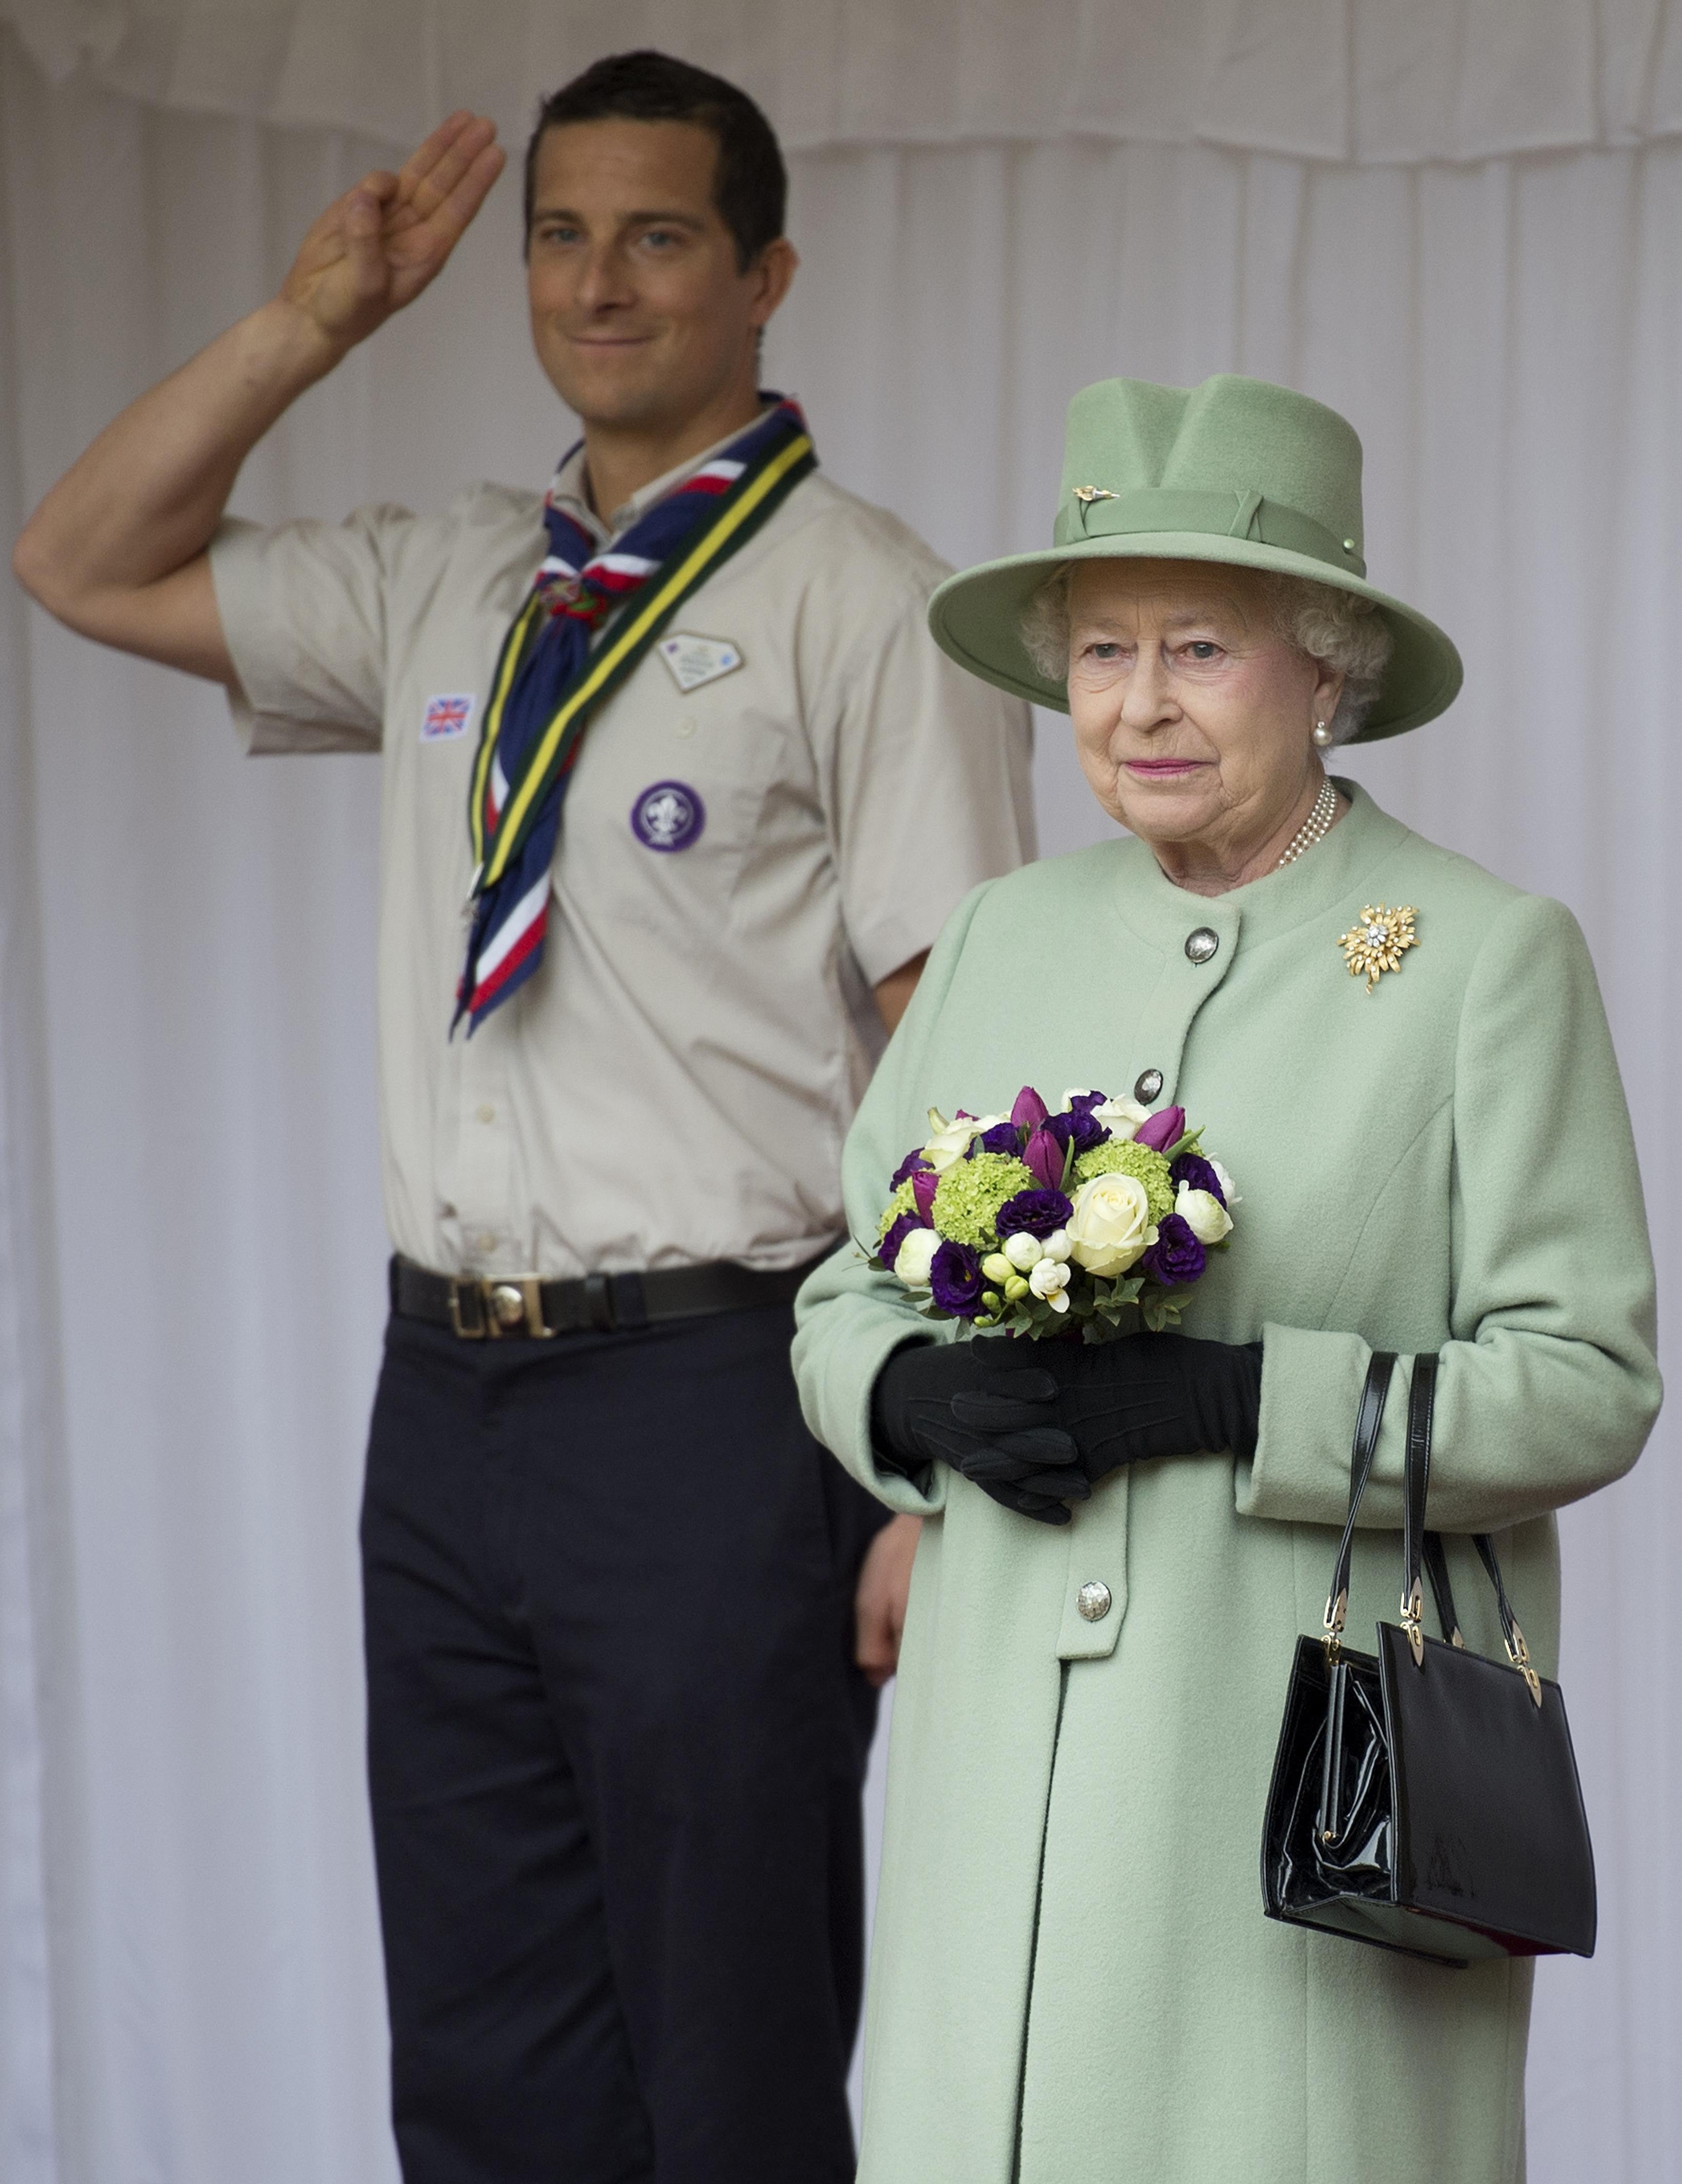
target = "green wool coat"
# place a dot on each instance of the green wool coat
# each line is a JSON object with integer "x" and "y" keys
{"x": 1072, "y": 1977}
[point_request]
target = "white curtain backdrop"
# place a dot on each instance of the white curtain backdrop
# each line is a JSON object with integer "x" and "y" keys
{"x": 191, "y": 1246}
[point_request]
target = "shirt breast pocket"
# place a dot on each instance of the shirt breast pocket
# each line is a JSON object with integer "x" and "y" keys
{"x": 674, "y": 806}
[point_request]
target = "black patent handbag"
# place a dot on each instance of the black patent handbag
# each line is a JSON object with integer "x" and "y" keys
{"x": 1425, "y": 1799}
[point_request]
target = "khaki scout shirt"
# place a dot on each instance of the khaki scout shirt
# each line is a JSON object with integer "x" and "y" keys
{"x": 674, "y": 1083}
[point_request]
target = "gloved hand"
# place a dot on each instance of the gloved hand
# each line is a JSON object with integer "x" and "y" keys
{"x": 1023, "y": 1459}
{"x": 1032, "y": 1415}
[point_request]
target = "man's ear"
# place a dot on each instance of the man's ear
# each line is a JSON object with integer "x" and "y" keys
{"x": 770, "y": 273}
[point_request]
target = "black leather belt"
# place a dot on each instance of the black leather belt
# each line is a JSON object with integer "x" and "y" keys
{"x": 521, "y": 1305}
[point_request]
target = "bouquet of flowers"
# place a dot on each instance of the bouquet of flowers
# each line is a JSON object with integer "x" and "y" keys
{"x": 1036, "y": 1222}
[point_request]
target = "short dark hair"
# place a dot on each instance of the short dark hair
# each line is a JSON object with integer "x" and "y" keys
{"x": 750, "y": 187}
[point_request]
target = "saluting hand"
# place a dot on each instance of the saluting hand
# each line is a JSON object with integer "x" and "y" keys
{"x": 378, "y": 246}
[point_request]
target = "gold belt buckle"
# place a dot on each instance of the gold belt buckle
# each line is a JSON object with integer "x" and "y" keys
{"x": 514, "y": 1305}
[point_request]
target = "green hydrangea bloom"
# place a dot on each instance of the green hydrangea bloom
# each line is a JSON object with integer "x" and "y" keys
{"x": 970, "y": 1193}
{"x": 1121, "y": 1156}
{"x": 903, "y": 1200}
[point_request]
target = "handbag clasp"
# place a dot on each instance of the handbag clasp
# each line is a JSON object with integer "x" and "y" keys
{"x": 1519, "y": 1654}
{"x": 1335, "y": 1611}
{"x": 1412, "y": 1607}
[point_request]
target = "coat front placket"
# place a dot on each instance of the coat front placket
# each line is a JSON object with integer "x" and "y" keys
{"x": 1153, "y": 1042}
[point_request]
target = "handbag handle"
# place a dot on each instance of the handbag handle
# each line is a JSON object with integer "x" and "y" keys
{"x": 1368, "y": 1417}
{"x": 1415, "y": 1540}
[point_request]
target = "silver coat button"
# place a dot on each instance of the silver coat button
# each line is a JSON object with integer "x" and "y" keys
{"x": 1200, "y": 945}
{"x": 1092, "y": 1600}
{"x": 1147, "y": 1085}
{"x": 508, "y": 1305}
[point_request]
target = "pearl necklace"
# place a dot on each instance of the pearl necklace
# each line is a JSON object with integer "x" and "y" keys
{"x": 1315, "y": 827}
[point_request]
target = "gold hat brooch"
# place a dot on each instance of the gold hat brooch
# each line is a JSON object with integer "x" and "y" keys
{"x": 1377, "y": 942}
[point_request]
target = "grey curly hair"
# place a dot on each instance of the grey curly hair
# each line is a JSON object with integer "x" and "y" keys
{"x": 1332, "y": 626}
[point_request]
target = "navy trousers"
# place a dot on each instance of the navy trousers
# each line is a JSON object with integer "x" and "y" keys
{"x": 615, "y": 1746}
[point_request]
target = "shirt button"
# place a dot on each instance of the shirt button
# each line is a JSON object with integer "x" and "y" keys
{"x": 486, "y": 1112}
{"x": 486, "y": 1241}
{"x": 1092, "y": 1600}
{"x": 1147, "y": 1085}
{"x": 1200, "y": 945}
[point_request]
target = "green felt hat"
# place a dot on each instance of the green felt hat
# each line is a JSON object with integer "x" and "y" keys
{"x": 1235, "y": 470}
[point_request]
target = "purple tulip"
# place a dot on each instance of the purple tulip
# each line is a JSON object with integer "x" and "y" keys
{"x": 1175, "y": 1259}
{"x": 1195, "y": 1172}
{"x": 908, "y": 1167}
{"x": 1161, "y": 1131}
{"x": 1030, "y": 1110}
{"x": 1034, "y": 1213}
{"x": 924, "y": 1185}
{"x": 1002, "y": 1138}
{"x": 1043, "y": 1156}
{"x": 955, "y": 1277}
{"x": 888, "y": 1250}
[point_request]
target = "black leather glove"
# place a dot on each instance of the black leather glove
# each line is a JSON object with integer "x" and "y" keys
{"x": 1032, "y": 1414}
{"x": 1023, "y": 1458}
{"x": 1140, "y": 1396}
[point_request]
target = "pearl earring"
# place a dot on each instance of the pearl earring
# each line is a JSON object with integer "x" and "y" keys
{"x": 1322, "y": 735}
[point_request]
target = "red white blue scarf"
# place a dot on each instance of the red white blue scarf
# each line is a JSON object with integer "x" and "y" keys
{"x": 550, "y": 678}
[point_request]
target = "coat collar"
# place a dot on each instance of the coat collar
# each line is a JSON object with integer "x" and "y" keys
{"x": 1344, "y": 862}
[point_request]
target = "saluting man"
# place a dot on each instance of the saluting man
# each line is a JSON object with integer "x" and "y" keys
{"x": 676, "y": 735}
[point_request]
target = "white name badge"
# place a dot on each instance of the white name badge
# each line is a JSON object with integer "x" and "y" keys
{"x": 447, "y": 716}
{"x": 697, "y": 660}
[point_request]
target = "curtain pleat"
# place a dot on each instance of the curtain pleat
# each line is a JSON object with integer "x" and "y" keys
{"x": 186, "y": 963}
{"x": 1361, "y": 80}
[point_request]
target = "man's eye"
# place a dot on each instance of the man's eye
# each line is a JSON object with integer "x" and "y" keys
{"x": 662, "y": 238}
{"x": 556, "y": 231}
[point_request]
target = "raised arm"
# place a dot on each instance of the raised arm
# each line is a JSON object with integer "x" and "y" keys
{"x": 117, "y": 548}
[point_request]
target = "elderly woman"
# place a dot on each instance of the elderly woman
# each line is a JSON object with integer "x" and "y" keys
{"x": 1074, "y": 1977}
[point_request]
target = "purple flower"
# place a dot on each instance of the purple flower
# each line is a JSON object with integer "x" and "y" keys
{"x": 1079, "y": 1127}
{"x": 1002, "y": 1138}
{"x": 1161, "y": 1131}
{"x": 1044, "y": 1157}
{"x": 1032, "y": 1212}
{"x": 888, "y": 1250}
{"x": 1029, "y": 1111}
{"x": 955, "y": 1277}
{"x": 908, "y": 1167}
{"x": 1193, "y": 1170}
{"x": 924, "y": 1185}
{"x": 1176, "y": 1258}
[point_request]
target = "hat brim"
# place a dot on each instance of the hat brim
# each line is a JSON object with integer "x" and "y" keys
{"x": 976, "y": 617}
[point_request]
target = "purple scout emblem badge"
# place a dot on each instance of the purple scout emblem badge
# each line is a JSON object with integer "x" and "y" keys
{"x": 670, "y": 815}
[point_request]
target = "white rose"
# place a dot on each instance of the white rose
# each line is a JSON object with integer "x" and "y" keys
{"x": 1050, "y": 1279}
{"x": 1056, "y": 1245}
{"x": 917, "y": 1257}
{"x": 1111, "y": 1226}
{"x": 950, "y": 1141}
{"x": 1226, "y": 1183}
{"x": 1023, "y": 1250}
{"x": 1203, "y": 1213}
{"x": 1121, "y": 1117}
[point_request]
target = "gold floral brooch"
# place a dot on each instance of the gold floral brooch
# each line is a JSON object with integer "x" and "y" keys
{"x": 1377, "y": 942}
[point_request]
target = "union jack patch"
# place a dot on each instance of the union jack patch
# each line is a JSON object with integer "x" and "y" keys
{"x": 446, "y": 717}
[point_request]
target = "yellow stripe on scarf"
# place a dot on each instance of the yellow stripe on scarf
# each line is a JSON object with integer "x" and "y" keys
{"x": 532, "y": 781}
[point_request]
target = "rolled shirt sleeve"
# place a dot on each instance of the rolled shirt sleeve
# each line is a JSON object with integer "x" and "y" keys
{"x": 1549, "y": 1383}
{"x": 302, "y": 608}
